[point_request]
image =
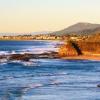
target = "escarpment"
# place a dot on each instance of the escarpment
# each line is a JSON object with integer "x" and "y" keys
{"x": 69, "y": 49}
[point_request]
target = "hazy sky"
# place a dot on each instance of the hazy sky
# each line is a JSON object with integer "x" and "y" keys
{"x": 46, "y": 15}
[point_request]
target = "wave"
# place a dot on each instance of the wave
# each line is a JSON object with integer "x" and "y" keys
{"x": 3, "y": 61}
{"x": 4, "y": 52}
{"x": 36, "y": 49}
{"x": 33, "y": 50}
{"x": 30, "y": 64}
{"x": 24, "y": 63}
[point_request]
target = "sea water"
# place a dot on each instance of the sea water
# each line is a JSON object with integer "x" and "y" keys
{"x": 48, "y": 79}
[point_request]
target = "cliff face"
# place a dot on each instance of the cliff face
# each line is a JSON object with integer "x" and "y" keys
{"x": 91, "y": 44}
{"x": 90, "y": 47}
{"x": 79, "y": 48}
{"x": 87, "y": 46}
{"x": 68, "y": 50}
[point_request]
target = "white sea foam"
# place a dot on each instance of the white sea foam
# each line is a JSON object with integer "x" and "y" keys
{"x": 25, "y": 63}
{"x": 4, "y": 53}
{"x": 50, "y": 46}
{"x": 29, "y": 63}
{"x": 44, "y": 97}
{"x": 33, "y": 50}
{"x": 39, "y": 50}
{"x": 35, "y": 85}
{"x": 3, "y": 60}
{"x": 13, "y": 52}
{"x": 3, "y": 63}
{"x": 16, "y": 61}
{"x": 30, "y": 51}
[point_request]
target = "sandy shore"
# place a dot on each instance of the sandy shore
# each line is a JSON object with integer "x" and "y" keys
{"x": 83, "y": 57}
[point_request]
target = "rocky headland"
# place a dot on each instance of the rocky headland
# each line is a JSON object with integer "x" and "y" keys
{"x": 88, "y": 49}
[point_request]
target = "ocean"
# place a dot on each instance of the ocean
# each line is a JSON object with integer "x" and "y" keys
{"x": 47, "y": 79}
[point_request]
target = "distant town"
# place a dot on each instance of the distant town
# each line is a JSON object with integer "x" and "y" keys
{"x": 43, "y": 37}
{"x": 74, "y": 32}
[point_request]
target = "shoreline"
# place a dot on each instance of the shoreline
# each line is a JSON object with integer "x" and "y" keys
{"x": 83, "y": 57}
{"x": 30, "y": 39}
{"x": 86, "y": 56}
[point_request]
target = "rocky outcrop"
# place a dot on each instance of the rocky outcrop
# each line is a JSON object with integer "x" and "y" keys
{"x": 69, "y": 49}
{"x": 98, "y": 85}
{"x": 2, "y": 57}
{"x": 27, "y": 57}
{"x": 24, "y": 57}
{"x": 90, "y": 47}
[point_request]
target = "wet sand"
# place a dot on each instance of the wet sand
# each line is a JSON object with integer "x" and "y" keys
{"x": 83, "y": 57}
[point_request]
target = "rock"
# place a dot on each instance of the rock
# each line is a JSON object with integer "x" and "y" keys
{"x": 23, "y": 57}
{"x": 98, "y": 85}
{"x": 2, "y": 57}
{"x": 27, "y": 57}
{"x": 69, "y": 49}
{"x": 49, "y": 55}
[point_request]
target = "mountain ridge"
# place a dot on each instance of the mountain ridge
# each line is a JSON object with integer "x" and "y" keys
{"x": 80, "y": 28}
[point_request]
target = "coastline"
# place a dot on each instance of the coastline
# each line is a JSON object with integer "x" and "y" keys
{"x": 82, "y": 57}
{"x": 87, "y": 56}
{"x": 29, "y": 40}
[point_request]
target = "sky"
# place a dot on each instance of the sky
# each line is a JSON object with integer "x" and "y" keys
{"x": 22, "y": 16}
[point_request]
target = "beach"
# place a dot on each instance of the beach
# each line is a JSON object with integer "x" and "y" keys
{"x": 83, "y": 57}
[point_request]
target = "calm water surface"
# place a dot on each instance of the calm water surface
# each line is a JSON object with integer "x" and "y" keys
{"x": 50, "y": 78}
